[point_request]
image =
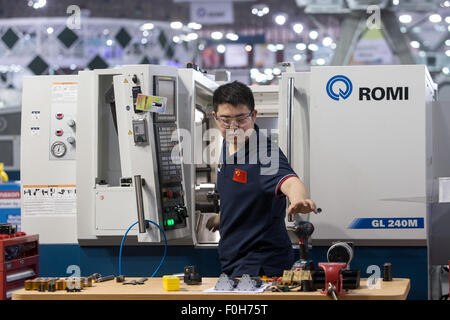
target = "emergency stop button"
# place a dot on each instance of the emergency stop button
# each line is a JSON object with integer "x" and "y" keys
{"x": 59, "y": 115}
{"x": 59, "y": 132}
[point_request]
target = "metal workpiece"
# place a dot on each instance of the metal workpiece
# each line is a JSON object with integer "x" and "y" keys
{"x": 248, "y": 283}
{"x": 106, "y": 278}
{"x": 340, "y": 252}
{"x": 224, "y": 283}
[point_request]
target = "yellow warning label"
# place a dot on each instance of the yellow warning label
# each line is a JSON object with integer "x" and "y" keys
{"x": 130, "y": 133}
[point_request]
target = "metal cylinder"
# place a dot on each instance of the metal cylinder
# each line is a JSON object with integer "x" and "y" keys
{"x": 139, "y": 203}
{"x": 387, "y": 272}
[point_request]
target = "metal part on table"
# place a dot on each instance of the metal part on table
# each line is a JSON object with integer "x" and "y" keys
{"x": 225, "y": 283}
{"x": 73, "y": 285}
{"x": 191, "y": 275}
{"x": 387, "y": 271}
{"x": 341, "y": 252}
{"x": 135, "y": 282}
{"x": 103, "y": 279}
{"x": 248, "y": 283}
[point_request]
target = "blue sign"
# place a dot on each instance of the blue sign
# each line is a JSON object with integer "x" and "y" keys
{"x": 341, "y": 94}
{"x": 387, "y": 223}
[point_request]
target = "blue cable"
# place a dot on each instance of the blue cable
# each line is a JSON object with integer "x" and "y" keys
{"x": 123, "y": 240}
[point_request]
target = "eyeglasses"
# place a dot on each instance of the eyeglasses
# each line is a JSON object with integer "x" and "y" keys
{"x": 240, "y": 120}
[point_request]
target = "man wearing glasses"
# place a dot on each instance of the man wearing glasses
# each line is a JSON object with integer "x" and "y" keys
{"x": 253, "y": 236}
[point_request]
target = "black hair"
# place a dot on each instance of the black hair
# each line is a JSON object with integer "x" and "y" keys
{"x": 234, "y": 93}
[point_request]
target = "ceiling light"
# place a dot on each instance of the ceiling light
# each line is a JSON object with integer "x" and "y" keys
{"x": 298, "y": 28}
{"x": 109, "y": 42}
{"x": 415, "y": 44}
{"x": 176, "y": 25}
{"x": 176, "y": 39}
{"x": 313, "y": 47}
{"x": 297, "y": 57}
{"x": 405, "y": 18}
{"x": 313, "y": 34}
{"x": 320, "y": 61}
{"x": 260, "y": 10}
{"x": 192, "y": 36}
{"x": 272, "y": 47}
{"x": 280, "y": 19}
{"x": 327, "y": 41}
{"x": 232, "y": 36}
{"x": 194, "y": 26}
{"x": 248, "y": 48}
{"x": 447, "y": 53}
{"x": 50, "y": 30}
{"x": 447, "y": 19}
{"x": 300, "y": 46}
{"x": 220, "y": 48}
{"x": 147, "y": 26}
{"x": 217, "y": 35}
{"x": 435, "y": 18}
{"x": 445, "y": 70}
{"x": 447, "y": 42}
{"x": 37, "y": 4}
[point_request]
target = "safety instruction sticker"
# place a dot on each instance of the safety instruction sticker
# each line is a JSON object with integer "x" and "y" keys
{"x": 49, "y": 200}
{"x": 151, "y": 103}
{"x": 64, "y": 92}
{"x": 387, "y": 223}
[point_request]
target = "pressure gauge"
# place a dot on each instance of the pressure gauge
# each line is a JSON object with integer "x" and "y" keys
{"x": 58, "y": 149}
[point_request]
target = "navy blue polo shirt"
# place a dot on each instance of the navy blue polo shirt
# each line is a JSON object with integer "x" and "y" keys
{"x": 253, "y": 236}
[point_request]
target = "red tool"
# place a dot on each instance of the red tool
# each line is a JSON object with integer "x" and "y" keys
{"x": 19, "y": 261}
{"x": 333, "y": 278}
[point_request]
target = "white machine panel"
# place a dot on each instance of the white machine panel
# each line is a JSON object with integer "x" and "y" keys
{"x": 48, "y": 183}
{"x": 370, "y": 151}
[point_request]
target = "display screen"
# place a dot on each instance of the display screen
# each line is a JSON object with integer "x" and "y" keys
{"x": 6, "y": 153}
{"x": 166, "y": 88}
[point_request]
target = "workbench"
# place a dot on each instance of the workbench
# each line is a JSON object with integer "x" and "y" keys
{"x": 152, "y": 289}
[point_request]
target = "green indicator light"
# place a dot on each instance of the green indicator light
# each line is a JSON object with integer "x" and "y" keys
{"x": 170, "y": 222}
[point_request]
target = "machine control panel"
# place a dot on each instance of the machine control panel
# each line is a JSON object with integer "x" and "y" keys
{"x": 174, "y": 212}
{"x": 62, "y": 135}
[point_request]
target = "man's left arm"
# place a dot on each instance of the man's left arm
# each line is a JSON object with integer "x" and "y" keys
{"x": 298, "y": 197}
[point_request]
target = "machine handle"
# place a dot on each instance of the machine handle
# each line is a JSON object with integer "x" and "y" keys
{"x": 140, "y": 203}
{"x": 289, "y": 117}
{"x": 290, "y": 101}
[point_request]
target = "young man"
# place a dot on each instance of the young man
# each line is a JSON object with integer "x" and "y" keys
{"x": 253, "y": 236}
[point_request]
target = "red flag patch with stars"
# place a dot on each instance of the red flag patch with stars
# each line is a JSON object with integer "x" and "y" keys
{"x": 240, "y": 176}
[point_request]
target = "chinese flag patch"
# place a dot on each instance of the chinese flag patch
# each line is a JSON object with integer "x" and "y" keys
{"x": 240, "y": 176}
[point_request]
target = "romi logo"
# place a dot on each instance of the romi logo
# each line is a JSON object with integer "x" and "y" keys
{"x": 365, "y": 93}
{"x": 341, "y": 94}
{"x": 379, "y": 93}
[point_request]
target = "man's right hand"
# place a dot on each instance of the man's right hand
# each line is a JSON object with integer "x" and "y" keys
{"x": 213, "y": 223}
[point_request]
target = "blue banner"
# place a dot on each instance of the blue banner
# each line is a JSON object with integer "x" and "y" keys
{"x": 387, "y": 223}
